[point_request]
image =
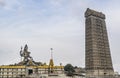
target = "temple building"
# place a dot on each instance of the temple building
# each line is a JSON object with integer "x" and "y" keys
{"x": 97, "y": 56}
{"x": 29, "y": 68}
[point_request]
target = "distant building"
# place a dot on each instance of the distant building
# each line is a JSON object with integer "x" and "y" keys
{"x": 98, "y": 58}
{"x": 29, "y": 68}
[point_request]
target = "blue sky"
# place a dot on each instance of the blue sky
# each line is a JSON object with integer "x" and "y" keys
{"x": 59, "y": 24}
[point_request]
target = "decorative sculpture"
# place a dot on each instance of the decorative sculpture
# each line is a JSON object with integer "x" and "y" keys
{"x": 25, "y": 54}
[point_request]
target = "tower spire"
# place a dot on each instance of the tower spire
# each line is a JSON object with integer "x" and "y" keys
{"x": 51, "y": 49}
{"x": 51, "y": 59}
{"x": 51, "y": 63}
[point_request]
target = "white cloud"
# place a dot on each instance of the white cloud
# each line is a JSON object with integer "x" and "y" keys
{"x": 2, "y": 3}
{"x": 11, "y": 5}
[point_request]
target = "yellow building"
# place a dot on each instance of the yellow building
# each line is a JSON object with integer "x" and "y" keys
{"x": 29, "y": 68}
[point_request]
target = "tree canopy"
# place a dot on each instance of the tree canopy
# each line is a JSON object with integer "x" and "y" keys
{"x": 69, "y": 69}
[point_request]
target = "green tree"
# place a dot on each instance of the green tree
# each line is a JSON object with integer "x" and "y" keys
{"x": 69, "y": 69}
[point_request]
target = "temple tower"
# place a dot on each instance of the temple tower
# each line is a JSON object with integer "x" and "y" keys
{"x": 97, "y": 56}
{"x": 51, "y": 63}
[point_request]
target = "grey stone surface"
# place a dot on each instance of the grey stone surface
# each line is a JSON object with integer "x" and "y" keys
{"x": 97, "y": 57}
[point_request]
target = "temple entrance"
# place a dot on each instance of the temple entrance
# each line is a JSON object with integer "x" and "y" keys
{"x": 30, "y": 71}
